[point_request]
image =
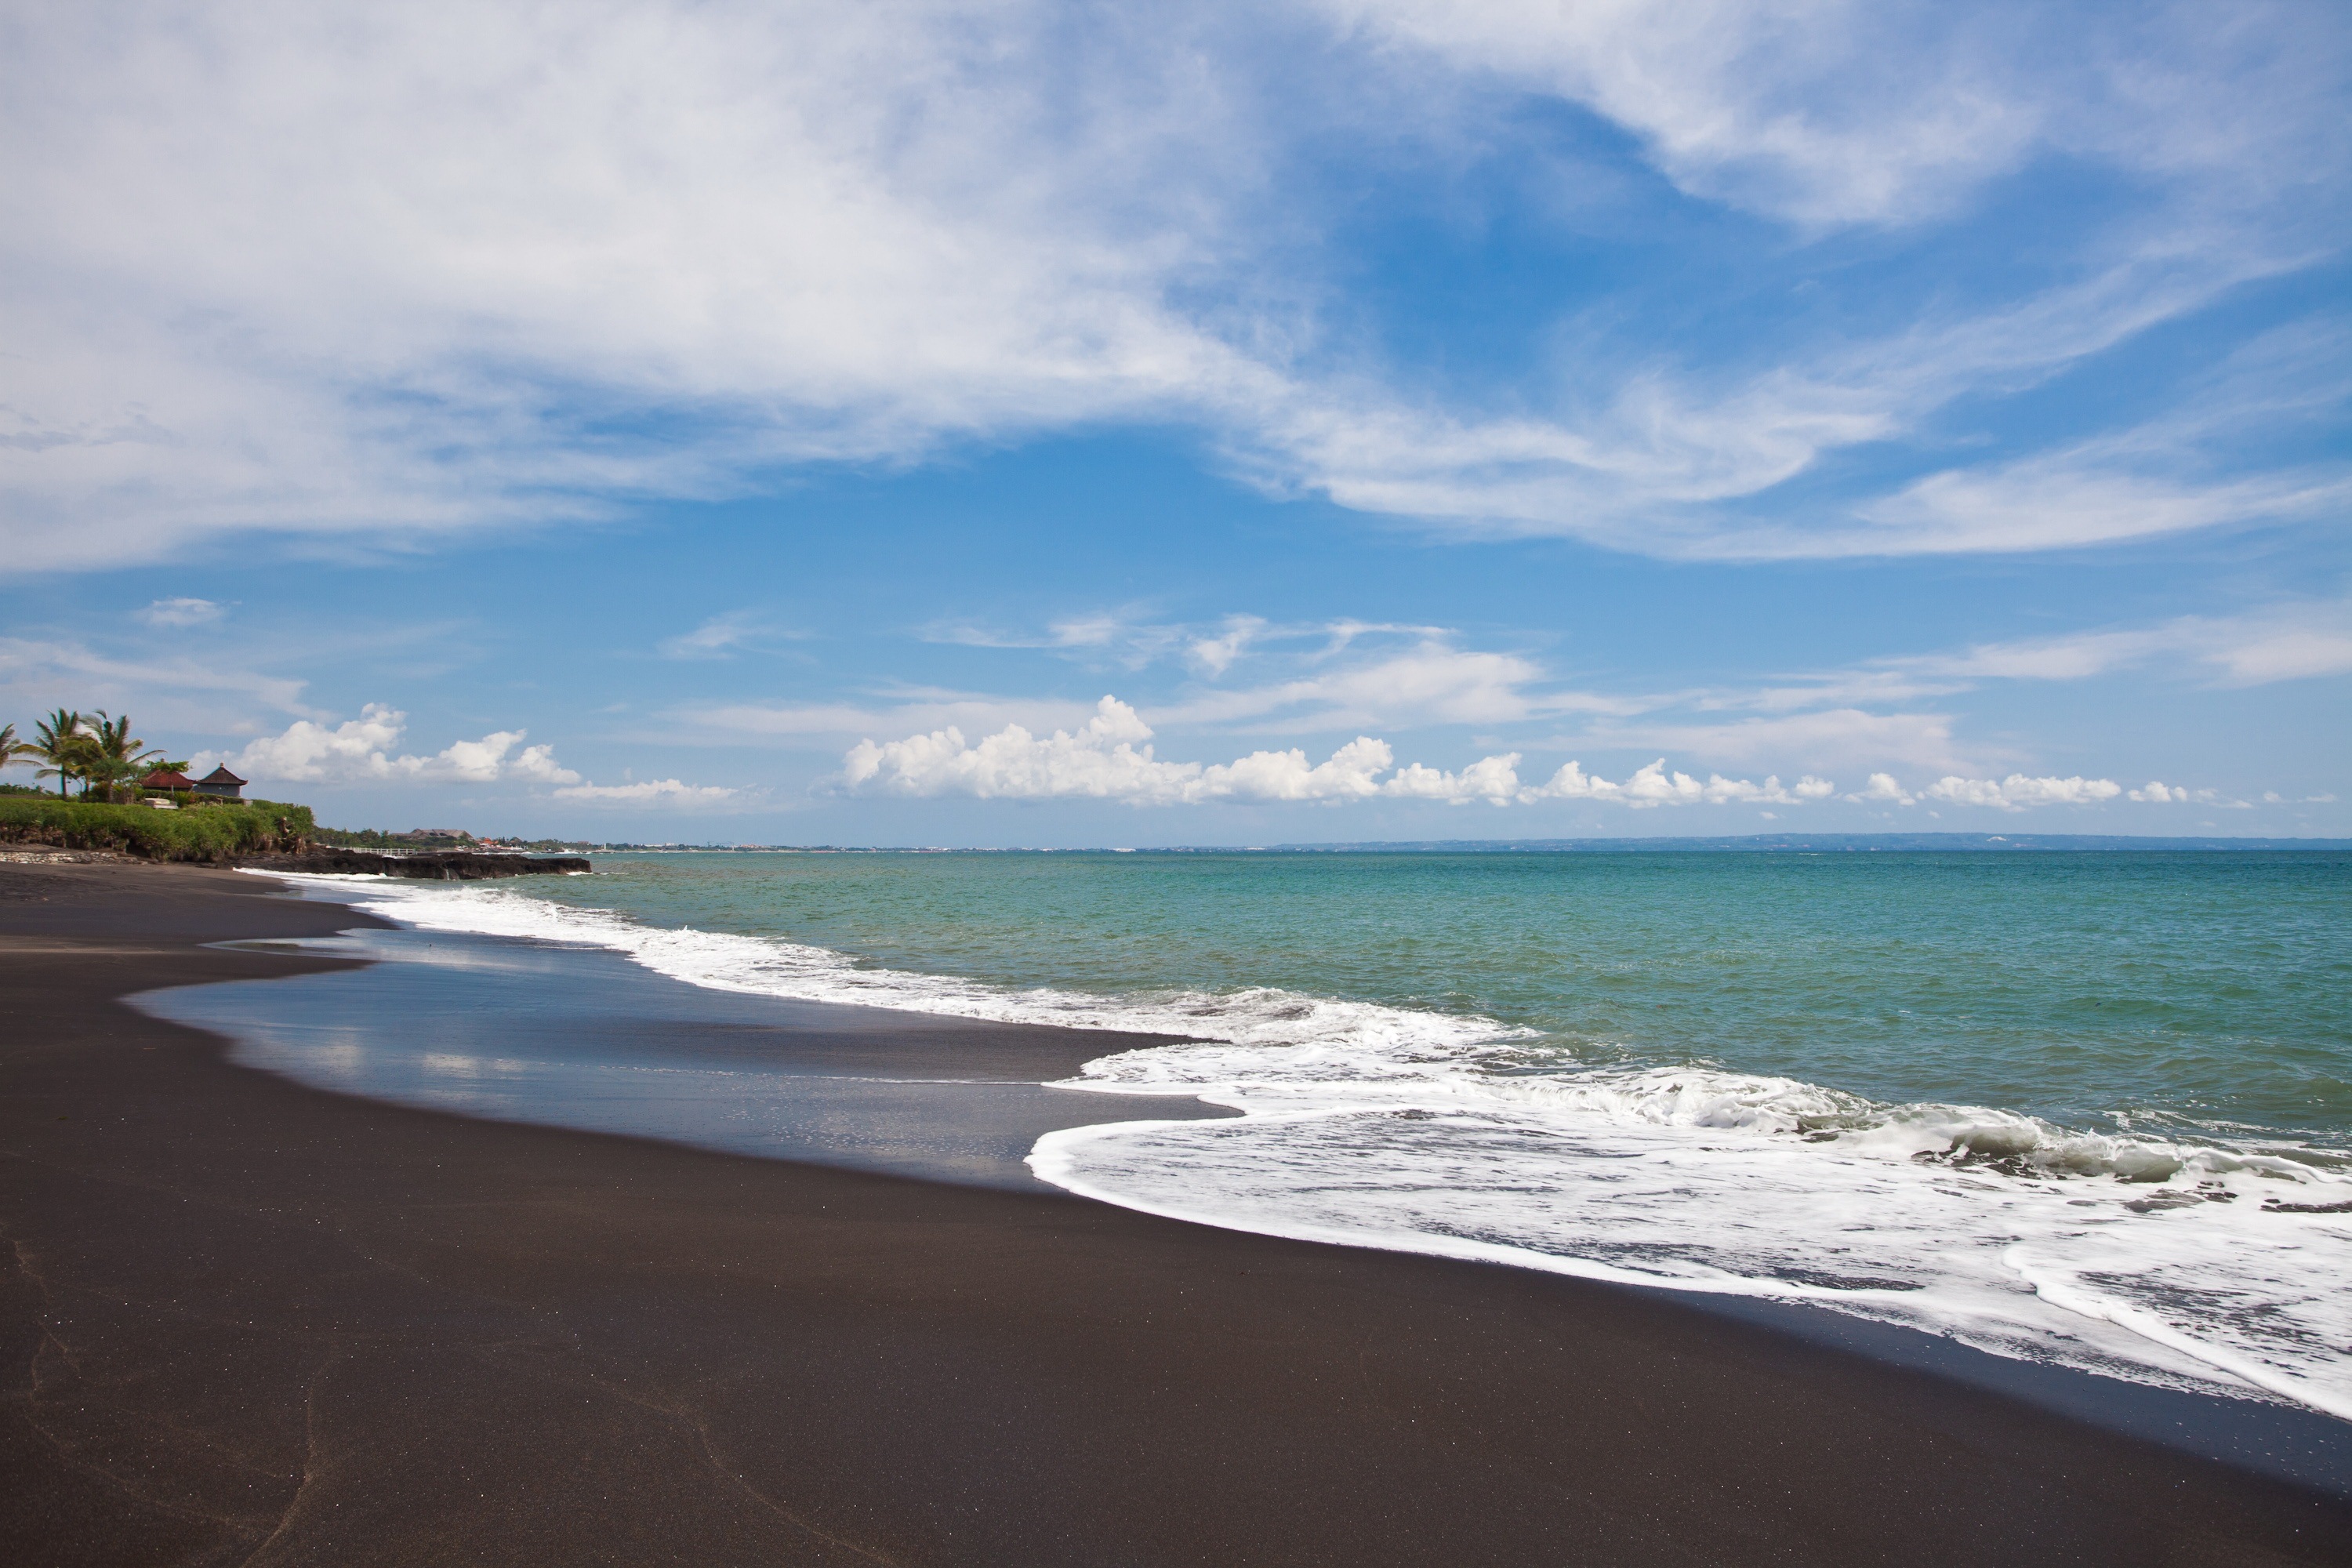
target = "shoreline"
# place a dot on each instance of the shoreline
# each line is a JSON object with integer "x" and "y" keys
{"x": 245, "y": 1311}
{"x": 523, "y": 1031}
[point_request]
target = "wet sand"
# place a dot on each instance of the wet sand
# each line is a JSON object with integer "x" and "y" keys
{"x": 578, "y": 1037}
{"x": 250, "y": 1321}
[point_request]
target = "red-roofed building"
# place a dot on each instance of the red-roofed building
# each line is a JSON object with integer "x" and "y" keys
{"x": 164, "y": 779}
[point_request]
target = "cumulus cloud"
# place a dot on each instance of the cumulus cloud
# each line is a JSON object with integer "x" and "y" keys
{"x": 2017, "y": 792}
{"x": 362, "y": 749}
{"x": 365, "y": 749}
{"x": 1110, "y": 757}
{"x": 1882, "y": 787}
{"x": 1654, "y": 785}
{"x": 2157, "y": 792}
{"x": 1494, "y": 779}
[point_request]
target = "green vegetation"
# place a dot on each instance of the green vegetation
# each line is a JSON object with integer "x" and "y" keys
{"x": 215, "y": 830}
{"x": 379, "y": 839}
{"x": 100, "y": 751}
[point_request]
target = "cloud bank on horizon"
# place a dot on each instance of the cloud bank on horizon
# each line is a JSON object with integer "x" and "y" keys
{"x": 1110, "y": 757}
{"x": 280, "y": 289}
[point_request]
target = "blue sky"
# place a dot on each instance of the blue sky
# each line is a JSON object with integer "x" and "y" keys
{"x": 1052, "y": 424}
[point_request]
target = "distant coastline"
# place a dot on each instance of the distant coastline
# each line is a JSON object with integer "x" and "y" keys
{"x": 1823, "y": 842}
{"x": 1803, "y": 843}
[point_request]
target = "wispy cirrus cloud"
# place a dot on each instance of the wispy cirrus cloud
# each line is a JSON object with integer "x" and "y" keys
{"x": 437, "y": 286}
{"x": 725, "y": 636}
{"x": 178, "y": 687}
{"x": 175, "y": 614}
{"x": 1888, "y": 715}
{"x": 661, "y": 793}
{"x": 1829, "y": 738}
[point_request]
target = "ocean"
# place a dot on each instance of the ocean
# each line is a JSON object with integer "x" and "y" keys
{"x": 2087, "y": 1109}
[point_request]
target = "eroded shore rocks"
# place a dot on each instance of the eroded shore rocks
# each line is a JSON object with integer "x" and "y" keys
{"x": 440, "y": 865}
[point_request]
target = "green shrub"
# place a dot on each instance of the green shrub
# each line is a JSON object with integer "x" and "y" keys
{"x": 215, "y": 832}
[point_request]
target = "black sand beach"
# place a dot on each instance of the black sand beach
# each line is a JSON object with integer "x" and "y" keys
{"x": 251, "y": 1321}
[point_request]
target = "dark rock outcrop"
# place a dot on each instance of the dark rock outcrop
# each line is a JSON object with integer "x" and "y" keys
{"x": 441, "y": 865}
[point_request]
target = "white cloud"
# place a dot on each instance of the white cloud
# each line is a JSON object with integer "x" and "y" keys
{"x": 1494, "y": 779}
{"x": 537, "y": 764}
{"x": 1832, "y": 738}
{"x": 720, "y": 636}
{"x": 335, "y": 267}
{"x": 1655, "y": 466}
{"x": 2288, "y": 640}
{"x": 362, "y": 749}
{"x": 2291, "y": 640}
{"x": 2073, "y": 499}
{"x": 1876, "y": 111}
{"x": 2256, "y": 657}
{"x": 1354, "y": 676}
{"x": 652, "y": 791}
{"x": 753, "y": 721}
{"x": 2018, "y": 792}
{"x": 1826, "y": 112}
{"x": 1110, "y": 757}
{"x": 1882, "y": 787}
{"x": 1654, "y": 785}
{"x": 2159, "y": 794}
{"x": 185, "y": 692}
{"x": 1215, "y": 655}
{"x": 343, "y": 269}
{"x": 174, "y": 613}
{"x": 1431, "y": 683}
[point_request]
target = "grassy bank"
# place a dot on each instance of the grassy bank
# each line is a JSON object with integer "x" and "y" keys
{"x": 215, "y": 832}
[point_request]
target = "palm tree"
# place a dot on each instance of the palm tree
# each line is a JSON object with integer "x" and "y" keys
{"x": 11, "y": 748}
{"x": 112, "y": 756}
{"x": 59, "y": 740}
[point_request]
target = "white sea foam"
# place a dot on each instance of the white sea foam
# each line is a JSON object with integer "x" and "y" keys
{"x": 2178, "y": 1261}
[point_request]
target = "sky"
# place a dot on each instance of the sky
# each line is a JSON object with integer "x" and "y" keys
{"x": 1065, "y": 424}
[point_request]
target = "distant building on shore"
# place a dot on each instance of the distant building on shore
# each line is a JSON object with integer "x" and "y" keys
{"x": 220, "y": 783}
{"x": 437, "y": 836}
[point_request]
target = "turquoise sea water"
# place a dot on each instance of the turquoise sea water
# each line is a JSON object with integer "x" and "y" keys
{"x": 2087, "y": 1108}
{"x": 2097, "y": 990}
